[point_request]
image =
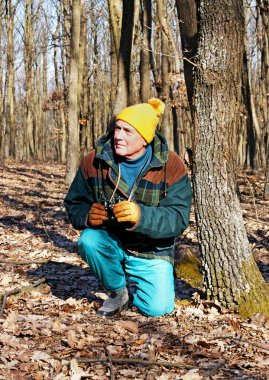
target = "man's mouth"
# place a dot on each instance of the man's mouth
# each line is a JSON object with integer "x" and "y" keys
{"x": 119, "y": 145}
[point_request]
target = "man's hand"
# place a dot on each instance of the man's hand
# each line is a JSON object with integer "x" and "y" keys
{"x": 126, "y": 211}
{"x": 97, "y": 215}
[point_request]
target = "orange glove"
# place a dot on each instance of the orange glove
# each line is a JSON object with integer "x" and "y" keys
{"x": 126, "y": 211}
{"x": 97, "y": 215}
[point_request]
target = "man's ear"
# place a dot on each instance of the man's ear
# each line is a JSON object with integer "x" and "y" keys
{"x": 145, "y": 143}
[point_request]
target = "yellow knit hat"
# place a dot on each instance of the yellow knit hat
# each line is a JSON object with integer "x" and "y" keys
{"x": 144, "y": 117}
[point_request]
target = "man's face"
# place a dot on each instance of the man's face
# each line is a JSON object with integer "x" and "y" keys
{"x": 128, "y": 142}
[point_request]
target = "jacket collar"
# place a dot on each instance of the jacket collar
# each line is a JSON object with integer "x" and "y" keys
{"x": 105, "y": 151}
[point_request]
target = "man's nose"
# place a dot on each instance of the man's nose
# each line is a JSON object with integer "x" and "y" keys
{"x": 120, "y": 134}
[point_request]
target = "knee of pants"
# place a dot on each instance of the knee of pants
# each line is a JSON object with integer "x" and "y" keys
{"x": 155, "y": 308}
{"x": 89, "y": 242}
{"x": 157, "y": 300}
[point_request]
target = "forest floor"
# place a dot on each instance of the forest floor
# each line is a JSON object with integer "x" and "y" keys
{"x": 48, "y": 325}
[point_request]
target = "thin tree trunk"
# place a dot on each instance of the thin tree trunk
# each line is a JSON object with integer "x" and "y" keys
{"x": 263, "y": 6}
{"x": 115, "y": 18}
{"x": 162, "y": 23}
{"x": 44, "y": 118}
{"x": 134, "y": 86}
{"x": 10, "y": 83}
{"x": 115, "y": 15}
{"x": 55, "y": 38}
{"x": 2, "y": 131}
{"x": 65, "y": 57}
{"x": 145, "y": 66}
{"x": 63, "y": 141}
{"x": 266, "y": 184}
{"x": 246, "y": 94}
{"x": 73, "y": 154}
{"x": 188, "y": 23}
{"x": 37, "y": 82}
{"x": 82, "y": 77}
{"x": 124, "y": 61}
{"x": 28, "y": 59}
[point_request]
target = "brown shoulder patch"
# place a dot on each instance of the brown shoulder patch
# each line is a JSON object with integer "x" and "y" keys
{"x": 87, "y": 165}
{"x": 175, "y": 168}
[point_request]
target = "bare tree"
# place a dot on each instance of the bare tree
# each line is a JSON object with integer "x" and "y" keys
{"x": 145, "y": 66}
{"x": 165, "y": 86}
{"x": 263, "y": 6}
{"x": 115, "y": 17}
{"x": 73, "y": 152}
{"x": 10, "y": 82}
{"x": 2, "y": 131}
{"x": 124, "y": 58}
{"x": 187, "y": 13}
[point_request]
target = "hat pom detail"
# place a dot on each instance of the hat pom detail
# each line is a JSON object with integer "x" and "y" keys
{"x": 158, "y": 105}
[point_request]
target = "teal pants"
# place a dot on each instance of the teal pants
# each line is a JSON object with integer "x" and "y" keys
{"x": 109, "y": 261}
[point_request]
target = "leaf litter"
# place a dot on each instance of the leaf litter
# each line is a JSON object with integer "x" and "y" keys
{"x": 49, "y": 328}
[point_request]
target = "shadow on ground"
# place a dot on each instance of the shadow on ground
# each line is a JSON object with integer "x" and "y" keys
{"x": 67, "y": 280}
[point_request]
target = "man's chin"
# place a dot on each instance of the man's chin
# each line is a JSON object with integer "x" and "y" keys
{"x": 120, "y": 152}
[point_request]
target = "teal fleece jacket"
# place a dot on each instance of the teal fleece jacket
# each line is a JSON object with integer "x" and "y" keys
{"x": 162, "y": 191}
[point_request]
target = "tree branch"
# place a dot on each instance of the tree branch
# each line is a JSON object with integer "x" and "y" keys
{"x": 3, "y": 297}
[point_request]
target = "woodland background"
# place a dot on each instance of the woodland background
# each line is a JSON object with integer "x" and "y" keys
{"x": 116, "y": 63}
{"x": 66, "y": 69}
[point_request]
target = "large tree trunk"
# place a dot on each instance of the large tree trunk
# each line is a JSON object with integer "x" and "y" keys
{"x": 230, "y": 272}
{"x": 73, "y": 153}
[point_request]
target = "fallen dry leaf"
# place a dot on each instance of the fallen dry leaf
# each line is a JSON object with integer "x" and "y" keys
{"x": 259, "y": 319}
{"x": 193, "y": 374}
{"x": 130, "y": 326}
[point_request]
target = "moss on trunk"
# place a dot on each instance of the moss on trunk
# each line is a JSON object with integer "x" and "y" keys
{"x": 256, "y": 298}
{"x": 188, "y": 268}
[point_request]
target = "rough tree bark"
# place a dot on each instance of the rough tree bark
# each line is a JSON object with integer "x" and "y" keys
{"x": 231, "y": 275}
{"x": 73, "y": 150}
